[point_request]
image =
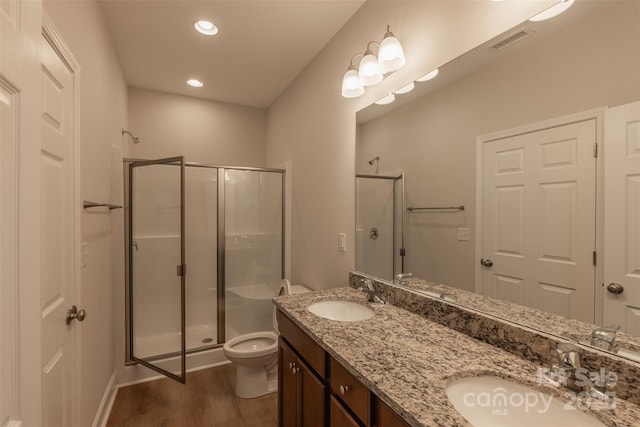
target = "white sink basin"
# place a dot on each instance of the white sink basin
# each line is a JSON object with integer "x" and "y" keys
{"x": 345, "y": 311}
{"x": 495, "y": 402}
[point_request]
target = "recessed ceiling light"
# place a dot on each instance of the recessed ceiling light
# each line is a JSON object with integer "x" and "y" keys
{"x": 428, "y": 76}
{"x": 554, "y": 10}
{"x": 195, "y": 83}
{"x": 405, "y": 89}
{"x": 206, "y": 27}
{"x": 386, "y": 100}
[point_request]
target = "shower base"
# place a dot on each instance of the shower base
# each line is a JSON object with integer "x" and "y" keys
{"x": 197, "y": 336}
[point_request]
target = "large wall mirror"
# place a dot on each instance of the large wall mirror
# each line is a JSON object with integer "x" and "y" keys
{"x": 557, "y": 72}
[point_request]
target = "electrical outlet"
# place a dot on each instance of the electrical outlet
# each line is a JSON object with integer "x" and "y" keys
{"x": 342, "y": 242}
{"x": 463, "y": 234}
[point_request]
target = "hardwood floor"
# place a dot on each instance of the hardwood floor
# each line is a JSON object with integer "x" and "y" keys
{"x": 207, "y": 399}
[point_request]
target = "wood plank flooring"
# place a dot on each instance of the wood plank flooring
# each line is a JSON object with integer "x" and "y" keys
{"x": 207, "y": 399}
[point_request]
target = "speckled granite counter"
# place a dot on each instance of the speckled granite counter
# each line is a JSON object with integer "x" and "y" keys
{"x": 407, "y": 360}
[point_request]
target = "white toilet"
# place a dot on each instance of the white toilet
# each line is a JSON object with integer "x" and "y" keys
{"x": 256, "y": 355}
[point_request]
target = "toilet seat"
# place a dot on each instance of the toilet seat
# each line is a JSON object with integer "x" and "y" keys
{"x": 251, "y": 345}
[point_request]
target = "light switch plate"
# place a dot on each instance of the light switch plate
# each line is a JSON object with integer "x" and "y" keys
{"x": 463, "y": 234}
{"x": 342, "y": 242}
{"x": 85, "y": 253}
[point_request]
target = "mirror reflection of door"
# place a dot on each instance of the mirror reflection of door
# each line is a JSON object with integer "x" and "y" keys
{"x": 539, "y": 219}
{"x": 622, "y": 218}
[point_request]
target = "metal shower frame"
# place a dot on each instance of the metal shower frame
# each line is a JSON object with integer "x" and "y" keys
{"x": 220, "y": 253}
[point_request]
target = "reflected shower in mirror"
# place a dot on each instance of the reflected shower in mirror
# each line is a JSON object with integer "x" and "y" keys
{"x": 379, "y": 224}
{"x": 585, "y": 59}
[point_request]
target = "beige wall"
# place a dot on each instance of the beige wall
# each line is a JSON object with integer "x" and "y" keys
{"x": 103, "y": 113}
{"x": 314, "y": 128}
{"x": 434, "y": 138}
{"x": 203, "y": 131}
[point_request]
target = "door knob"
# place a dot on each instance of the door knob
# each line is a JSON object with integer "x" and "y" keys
{"x": 486, "y": 262}
{"x": 73, "y": 313}
{"x": 615, "y": 288}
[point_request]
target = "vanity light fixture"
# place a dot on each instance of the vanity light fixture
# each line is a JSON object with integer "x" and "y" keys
{"x": 390, "y": 55}
{"x": 195, "y": 83}
{"x": 386, "y": 100}
{"x": 553, "y": 11}
{"x": 352, "y": 86}
{"x": 428, "y": 76}
{"x": 207, "y": 28}
{"x": 372, "y": 69}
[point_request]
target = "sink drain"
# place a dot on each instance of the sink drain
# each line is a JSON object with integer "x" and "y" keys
{"x": 207, "y": 340}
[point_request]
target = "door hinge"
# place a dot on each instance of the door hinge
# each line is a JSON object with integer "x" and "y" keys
{"x": 182, "y": 270}
{"x": 595, "y": 149}
{"x": 595, "y": 257}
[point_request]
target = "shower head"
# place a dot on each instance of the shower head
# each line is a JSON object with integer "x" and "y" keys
{"x": 135, "y": 139}
{"x": 375, "y": 159}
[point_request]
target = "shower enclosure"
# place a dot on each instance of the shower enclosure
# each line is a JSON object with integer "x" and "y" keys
{"x": 204, "y": 256}
{"x": 379, "y": 225}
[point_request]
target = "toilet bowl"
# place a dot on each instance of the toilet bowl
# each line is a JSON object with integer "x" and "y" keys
{"x": 256, "y": 356}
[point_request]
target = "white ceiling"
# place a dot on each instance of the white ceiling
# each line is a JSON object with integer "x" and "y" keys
{"x": 261, "y": 47}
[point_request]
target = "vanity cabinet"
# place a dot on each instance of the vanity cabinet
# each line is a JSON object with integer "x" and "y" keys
{"x": 302, "y": 394}
{"x": 315, "y": 390}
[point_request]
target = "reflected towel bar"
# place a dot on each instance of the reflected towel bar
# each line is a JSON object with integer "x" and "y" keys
{"x": 447, "y": 208}
{"x": 86, "y": 204}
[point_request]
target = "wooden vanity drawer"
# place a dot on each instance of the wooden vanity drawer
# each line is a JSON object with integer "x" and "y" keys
{"x": 311, "y": 352}
{"x": 352, "y": 392}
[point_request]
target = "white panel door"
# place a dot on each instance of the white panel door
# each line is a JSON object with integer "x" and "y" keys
{"x": 539, "y": 219}
{"x": 622, "y": 217}
{"x": 20, "y": 31}
{"x": 58, "y": 263}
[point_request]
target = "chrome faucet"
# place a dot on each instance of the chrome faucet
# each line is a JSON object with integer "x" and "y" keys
{"x": 570, "y": 367}
{"x": 400, "y": 279}
{"x": 605, "y": 338}
{"x": 569, "y": 362}
{"x": 370, "y": 291}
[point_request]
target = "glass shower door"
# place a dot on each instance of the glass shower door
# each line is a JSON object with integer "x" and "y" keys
{"x": 253, "y": 245}
{"x": 157, "y": 264}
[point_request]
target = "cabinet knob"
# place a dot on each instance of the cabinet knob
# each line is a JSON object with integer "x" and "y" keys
{"x": 291, "y": 365}
{"x": 344, "y": 389}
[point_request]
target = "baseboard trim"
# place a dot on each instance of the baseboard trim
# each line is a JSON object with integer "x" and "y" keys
{"x": 109, "y": 396}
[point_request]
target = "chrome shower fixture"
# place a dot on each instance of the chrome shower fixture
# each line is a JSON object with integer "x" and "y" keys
{"x": 375, "y": 159}
{"x": 135, "y": 139}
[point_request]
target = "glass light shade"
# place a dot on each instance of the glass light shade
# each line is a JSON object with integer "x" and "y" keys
{"x": 391, "y": 55}
{"x": 386, "y": 100}
{"x": 405, "y": 89}
{"x": 351, "y": 84}
{"x": 554, "y": 10}
{"x": 428, "y": 76}
{"x": 369, "y": 70}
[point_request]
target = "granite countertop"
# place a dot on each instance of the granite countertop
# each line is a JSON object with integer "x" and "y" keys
{"x": 408, "y": 361}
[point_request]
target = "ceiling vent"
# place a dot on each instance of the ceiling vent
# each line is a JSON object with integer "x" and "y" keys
{"x": 511, "y": 38}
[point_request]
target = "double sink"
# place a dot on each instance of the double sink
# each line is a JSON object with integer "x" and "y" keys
{"x": 483, "y": 400}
